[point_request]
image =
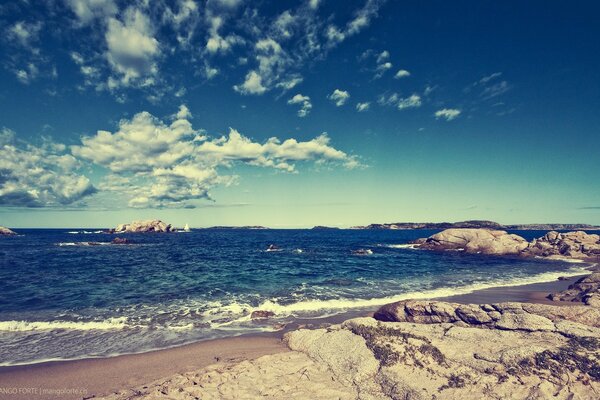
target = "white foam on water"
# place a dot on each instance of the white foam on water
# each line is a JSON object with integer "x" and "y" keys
{"x": 401, "y": 246}
{"x": 26, "y": 326}
{"x": 312, "y": 306}
{"x": 91, "y": 244}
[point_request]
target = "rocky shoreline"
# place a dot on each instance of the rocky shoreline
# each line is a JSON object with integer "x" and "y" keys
{"x": 420, "y": 350}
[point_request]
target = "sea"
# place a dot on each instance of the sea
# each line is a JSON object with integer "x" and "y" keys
{"x": 71, "y": 294}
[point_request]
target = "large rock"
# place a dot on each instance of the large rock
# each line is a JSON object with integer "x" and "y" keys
{"x": 577, "y": 244}
{"x": 6, "y": 232}
{"x": 484, "y": 241}
{"x": 585, "y": 290}
{"x": 508, "y": 315}
{"x": 153, "y": 225}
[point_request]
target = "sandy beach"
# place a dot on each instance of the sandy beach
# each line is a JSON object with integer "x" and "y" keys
{"x": 88, "y": 378}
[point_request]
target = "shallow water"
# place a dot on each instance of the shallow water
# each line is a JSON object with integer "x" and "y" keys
{"x": 62, "y": 298}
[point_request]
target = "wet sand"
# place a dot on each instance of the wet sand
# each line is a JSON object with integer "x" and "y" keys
{"x": 84, "y": 379}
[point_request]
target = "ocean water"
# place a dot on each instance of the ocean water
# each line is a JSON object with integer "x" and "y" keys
{"x": 63, "y": 299}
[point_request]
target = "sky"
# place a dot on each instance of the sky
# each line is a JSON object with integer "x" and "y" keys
{"x": 291, "y": 114}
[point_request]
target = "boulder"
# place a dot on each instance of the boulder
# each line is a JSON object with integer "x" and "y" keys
{"x": 6, "y": 232}
{"x": 260, "y": 314}
{"x": 153, "y": 225}
{"x": 120, "y": 240}
{"x": 585, "y": 290}
{"x": 484, "y": 241}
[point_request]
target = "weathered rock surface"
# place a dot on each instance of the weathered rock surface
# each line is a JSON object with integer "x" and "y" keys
{"x": 153, "y": 225}
{"x": 508, "y": 315}
{"x": 6, "y": 232}
{"x": 577, "y": 244}
{"x": 586, "y": 290}
{"x": 484, "y": 241}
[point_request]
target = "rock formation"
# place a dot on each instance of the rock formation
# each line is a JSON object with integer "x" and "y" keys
{"x": 153, "y": 225}
{"x": 586, "y": 290}
{"x": 571, "y": 244}
{"x": 6, "y": 232}
{"x": 484, "y": 241}
{"x": 577, "y": 244}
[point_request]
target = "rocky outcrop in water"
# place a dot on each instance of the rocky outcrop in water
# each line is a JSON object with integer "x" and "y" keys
{"x": 153, "y": 225}
{"x": 586, "y": 290}
{"x": 484, "y": 241}
{"x": 577, "y": 244}
{"x": 6, "y": 232}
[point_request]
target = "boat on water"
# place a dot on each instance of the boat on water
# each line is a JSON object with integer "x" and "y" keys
{"x": 186, "y": 228}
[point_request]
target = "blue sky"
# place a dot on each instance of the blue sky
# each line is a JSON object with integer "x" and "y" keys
{"x": 293, "y": 114}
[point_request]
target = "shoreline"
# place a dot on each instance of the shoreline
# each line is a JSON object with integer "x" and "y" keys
{"x": 90, "y": 377}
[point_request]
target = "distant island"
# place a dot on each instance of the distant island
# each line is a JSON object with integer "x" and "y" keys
{"x": 237, "y": 227}
{"x": 479, "y": 224}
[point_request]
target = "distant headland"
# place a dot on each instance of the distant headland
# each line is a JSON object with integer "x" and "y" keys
{"x": 479, "y": 224}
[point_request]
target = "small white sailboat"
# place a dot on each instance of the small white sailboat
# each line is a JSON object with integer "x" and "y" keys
{"x": 186, "y": 228}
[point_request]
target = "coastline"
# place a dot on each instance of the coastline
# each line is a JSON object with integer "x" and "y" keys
{"x": 101, "y": 376}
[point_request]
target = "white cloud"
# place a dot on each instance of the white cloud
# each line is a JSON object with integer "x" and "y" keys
{"x": 360, "y": 107}
{"x": 490, "y": 77}
{"x": 217, "y": 43}
{"x": 314, "y": 4}
{"x": 291, "y": 83}
{"x": 339, "y": 97}
{"x": 388, "y": 100}
{"x": 496, "y": 89}
{"x": 447, "y": 113}
{"x": 24, "y": 33}
{"x": 402, "y": 73}
{"x": 252, "y": 84}
{"x": 305, "y": 104}
{"x": 412, "y": 101}
{"x": 169, "y": 165}
{"x": 362, "y": 19}
{"x": 382, "y": 69}
{"x": 383, "y": 56}
{"x": 88, "y": 10}
{"x": 272, "y": 63}
{"x": 39, "y": 176}
{"x": 132, "y": 49}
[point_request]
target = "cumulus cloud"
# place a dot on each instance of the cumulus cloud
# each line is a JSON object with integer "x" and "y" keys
{"x": 360, "y": 107}
{"x": 132, "y": 49}
{"x": 402, "y": 73}
{"x": 339, "y": 97}
{"x": 172, "y": 164}
{"x": 305, "y": 104}
{"x": 253, "y": 84}
{"x": 447, "y": 113}
{"x": 412, "y": 101}
{"x": 39, "y": 176}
